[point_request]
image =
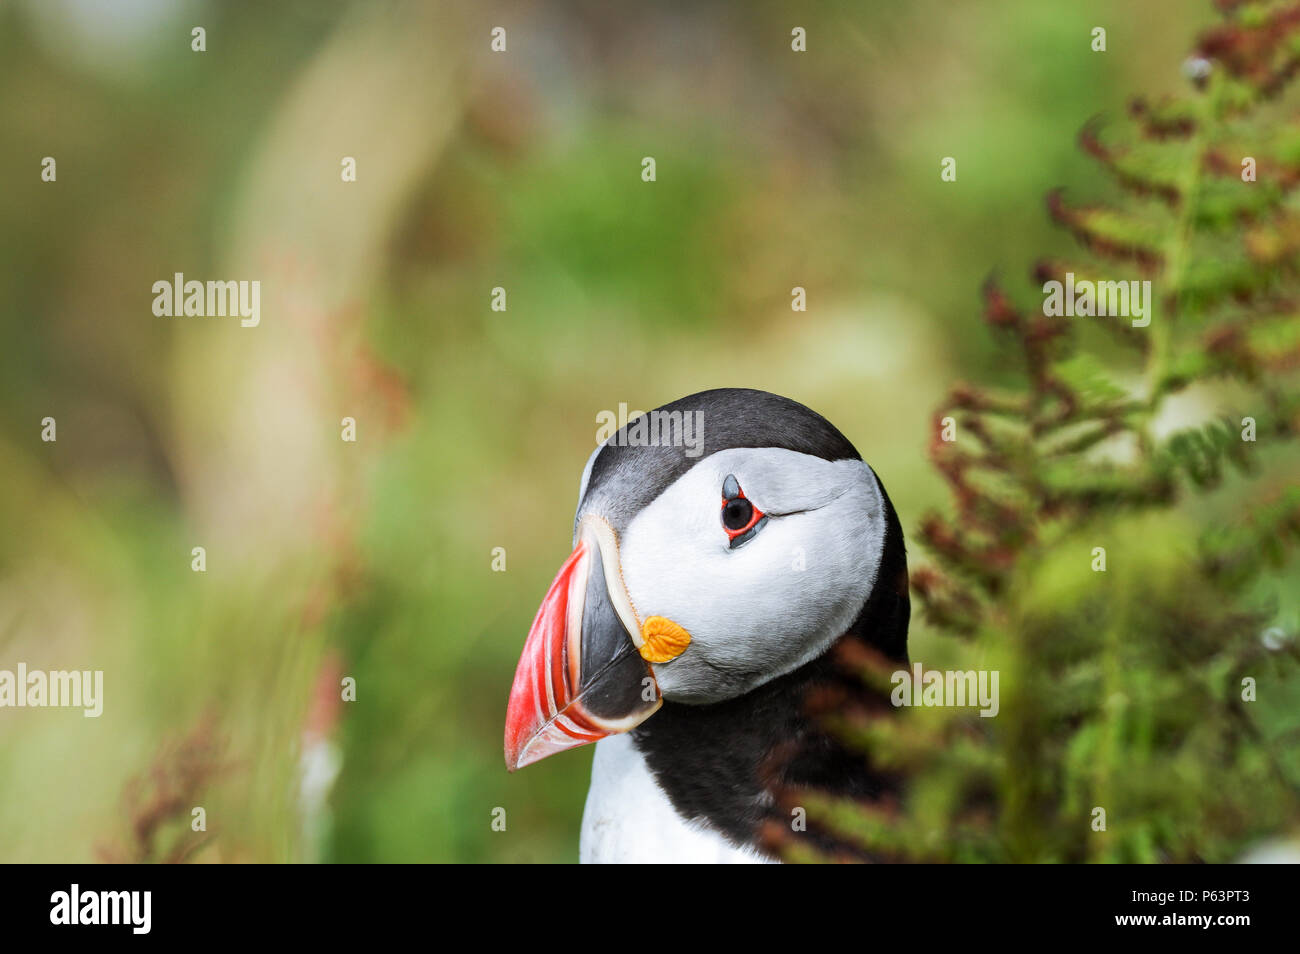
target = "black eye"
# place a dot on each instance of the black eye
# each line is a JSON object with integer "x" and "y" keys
{"x": 740, "y": 518}
{"x": 737, "y": 514}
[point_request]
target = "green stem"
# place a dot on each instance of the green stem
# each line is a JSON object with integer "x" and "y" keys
{"x": 1177, "y": 251}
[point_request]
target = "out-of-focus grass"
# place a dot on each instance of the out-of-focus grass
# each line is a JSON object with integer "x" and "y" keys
{"x": 774, "y": 170}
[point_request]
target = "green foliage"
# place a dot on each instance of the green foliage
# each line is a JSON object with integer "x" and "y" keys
{"x": 1123, "y": 689}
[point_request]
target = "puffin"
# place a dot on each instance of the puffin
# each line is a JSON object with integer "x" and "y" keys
{"x": 717, "y": 607}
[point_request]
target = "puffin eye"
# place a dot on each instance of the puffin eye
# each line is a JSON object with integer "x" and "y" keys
{"x": 740, "y": 518}
{"x": 736, "y": 514}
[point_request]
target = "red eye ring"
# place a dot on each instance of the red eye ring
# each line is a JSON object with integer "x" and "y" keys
{"x": 739, "y": 515}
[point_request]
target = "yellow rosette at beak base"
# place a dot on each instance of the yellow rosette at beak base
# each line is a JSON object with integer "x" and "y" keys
{"x": 662, "y": 640}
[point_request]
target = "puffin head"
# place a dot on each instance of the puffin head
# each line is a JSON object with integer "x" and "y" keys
{"x": 700, "y": 573}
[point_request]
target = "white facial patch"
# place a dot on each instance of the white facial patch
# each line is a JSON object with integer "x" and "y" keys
{"x": 777, "y": 601}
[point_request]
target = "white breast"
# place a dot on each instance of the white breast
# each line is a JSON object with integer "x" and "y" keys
{"x": 629, "y": 818}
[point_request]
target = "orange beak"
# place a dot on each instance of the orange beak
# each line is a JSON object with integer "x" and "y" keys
{"x": 580, "y": 676}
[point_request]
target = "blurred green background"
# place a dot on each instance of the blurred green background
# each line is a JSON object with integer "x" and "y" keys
{"x": 475, "y": 169}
